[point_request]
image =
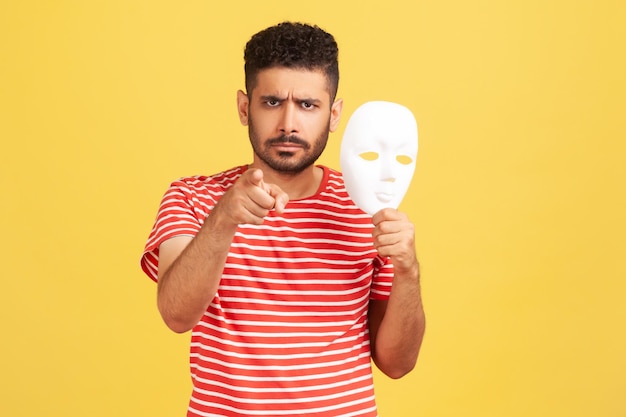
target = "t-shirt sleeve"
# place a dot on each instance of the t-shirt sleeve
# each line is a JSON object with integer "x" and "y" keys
{"x": 176, "y": 217}
{"x": 382, "y": 279}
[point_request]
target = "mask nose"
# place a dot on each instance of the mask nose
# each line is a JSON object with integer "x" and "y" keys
{"x": 388, "y": 172}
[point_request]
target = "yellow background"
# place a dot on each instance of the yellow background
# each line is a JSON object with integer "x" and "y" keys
{"x": 518, "y": 198}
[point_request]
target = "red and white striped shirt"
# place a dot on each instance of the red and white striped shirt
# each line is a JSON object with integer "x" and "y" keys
{"x": 286, "y": 334}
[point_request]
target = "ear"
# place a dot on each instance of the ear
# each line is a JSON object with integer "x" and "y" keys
{"x": 242, "y": 107}
{"x": 335, "y": 114}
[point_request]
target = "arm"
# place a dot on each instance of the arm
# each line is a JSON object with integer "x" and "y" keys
{"x": 397, "y": 325}
{"x": 190, "y": 269}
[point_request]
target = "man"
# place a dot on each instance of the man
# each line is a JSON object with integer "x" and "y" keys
{"x": 283, "y": 281}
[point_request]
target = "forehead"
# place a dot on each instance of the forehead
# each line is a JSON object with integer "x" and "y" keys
{"x": 291, "y": 82}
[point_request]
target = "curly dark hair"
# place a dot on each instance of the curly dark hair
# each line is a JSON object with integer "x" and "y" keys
{"x": 292, "y": 45}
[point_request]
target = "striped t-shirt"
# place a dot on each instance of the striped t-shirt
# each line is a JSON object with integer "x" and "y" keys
{"x": 286, "y": 334}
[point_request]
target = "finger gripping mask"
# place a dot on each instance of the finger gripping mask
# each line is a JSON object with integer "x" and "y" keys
{"x": 378, "y": 153}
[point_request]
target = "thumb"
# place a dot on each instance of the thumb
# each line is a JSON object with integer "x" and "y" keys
{"x": 281, "y": 198}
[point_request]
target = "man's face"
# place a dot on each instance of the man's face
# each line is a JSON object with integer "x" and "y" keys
{"x": 289, "y": 117}
{"x": 378, "y": 154}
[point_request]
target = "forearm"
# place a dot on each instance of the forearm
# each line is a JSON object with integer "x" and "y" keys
{"x": 190, "y": 270}
{"x": 401, "y": 329}
{"x": 190, "y": 283}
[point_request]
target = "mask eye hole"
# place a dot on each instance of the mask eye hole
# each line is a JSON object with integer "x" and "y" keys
{"x": 404, "y": 159}
{"x": 369, "y": 156}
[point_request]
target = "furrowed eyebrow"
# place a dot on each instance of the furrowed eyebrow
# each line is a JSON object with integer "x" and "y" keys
{"x": 310, "y": 100}
{"x": 299, "y": 100}
{"x": 272, "y": 98}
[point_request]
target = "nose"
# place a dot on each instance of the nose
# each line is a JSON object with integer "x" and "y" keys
{"x": 288, "y": 120}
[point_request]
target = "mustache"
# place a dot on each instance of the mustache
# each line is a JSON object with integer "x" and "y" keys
{"x": 288, "y": 139}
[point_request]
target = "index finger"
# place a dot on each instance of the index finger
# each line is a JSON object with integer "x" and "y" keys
{"x": 387, "y": 214}
{"x": 255, "y": 177}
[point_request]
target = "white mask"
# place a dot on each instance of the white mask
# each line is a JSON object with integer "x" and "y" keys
{"x": 378, "y": 153}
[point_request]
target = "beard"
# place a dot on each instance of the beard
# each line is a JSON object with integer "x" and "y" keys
{"x": 287, "y": 162}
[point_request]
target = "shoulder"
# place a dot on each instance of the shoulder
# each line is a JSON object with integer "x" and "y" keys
{"x": 333, "y": 196}
{"x": 201, "y": 184}
{"x": 328, "y": 171}
{"x": 333, "y": 178}
{"x": 333, "y": 184}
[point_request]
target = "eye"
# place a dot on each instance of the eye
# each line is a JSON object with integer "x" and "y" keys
{"x": 272, "y": 103}
{"x": 369, "y": 156}
{"x": 307, "y": 105}
{"x": 404, "y": 159}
